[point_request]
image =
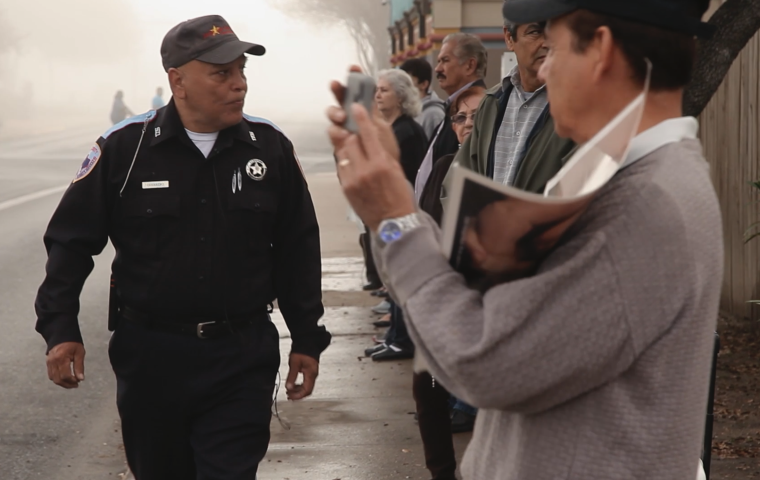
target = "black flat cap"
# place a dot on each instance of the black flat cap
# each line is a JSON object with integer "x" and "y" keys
{"x": 673, "y": 15}
{"x": 208, "y": 39}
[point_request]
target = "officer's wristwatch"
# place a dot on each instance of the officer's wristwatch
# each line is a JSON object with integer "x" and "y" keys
{"x": 393, "y": 229}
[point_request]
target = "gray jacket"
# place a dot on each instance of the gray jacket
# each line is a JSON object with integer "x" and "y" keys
{"x": 597, "y": 366}
{"x": 433, "y": 113}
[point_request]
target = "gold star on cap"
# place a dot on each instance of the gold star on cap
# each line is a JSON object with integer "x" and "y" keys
{"x": 214, "y": 30}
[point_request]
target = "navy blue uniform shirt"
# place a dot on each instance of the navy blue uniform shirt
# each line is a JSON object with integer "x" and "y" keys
{"x": 194, "y": 236}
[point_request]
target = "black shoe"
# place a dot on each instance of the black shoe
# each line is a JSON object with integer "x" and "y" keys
{"x": 393, "y": 352}
{"x": 380, "y": 293}
{"x": 382, "y": 323}
{"x": 372, "y": 286}
{"x": 373, "y": 350}
{"x": 462, "y": 422}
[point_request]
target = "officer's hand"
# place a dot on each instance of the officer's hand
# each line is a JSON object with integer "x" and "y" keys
{"x": 65, "y": 364}
{"x": 307, "y": 366}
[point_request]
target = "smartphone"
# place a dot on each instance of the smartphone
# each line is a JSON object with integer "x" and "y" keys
{"x": 360, "y": 88}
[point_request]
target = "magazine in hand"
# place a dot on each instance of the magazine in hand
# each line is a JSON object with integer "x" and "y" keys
{"x": 529, "y": 224}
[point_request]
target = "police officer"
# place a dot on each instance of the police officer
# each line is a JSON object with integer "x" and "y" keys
{"x": 211, "y": 220}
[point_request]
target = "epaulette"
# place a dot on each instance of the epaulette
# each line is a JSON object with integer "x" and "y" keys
{"x": 142, "y": 118}
{"x": 262, "y": 121}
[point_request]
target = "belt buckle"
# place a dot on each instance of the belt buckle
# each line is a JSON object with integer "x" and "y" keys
{"x": 199, "y": 329}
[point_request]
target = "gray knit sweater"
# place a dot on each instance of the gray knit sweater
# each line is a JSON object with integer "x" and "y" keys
{"x": 596, "y": 367}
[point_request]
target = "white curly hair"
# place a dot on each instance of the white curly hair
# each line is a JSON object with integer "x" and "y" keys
{"x": 403, "y": 86}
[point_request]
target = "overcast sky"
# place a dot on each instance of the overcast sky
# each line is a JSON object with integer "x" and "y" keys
{"x": 75, "y": 54}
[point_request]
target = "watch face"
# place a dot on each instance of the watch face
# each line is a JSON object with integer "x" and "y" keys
{"x": 390, "y": 232}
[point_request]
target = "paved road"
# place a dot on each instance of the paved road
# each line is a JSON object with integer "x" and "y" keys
{"x": 357, "y": 426}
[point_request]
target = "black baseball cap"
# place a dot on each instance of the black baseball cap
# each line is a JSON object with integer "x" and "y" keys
{"x": 208, "y": 39}
{"x": 673, "y": 15}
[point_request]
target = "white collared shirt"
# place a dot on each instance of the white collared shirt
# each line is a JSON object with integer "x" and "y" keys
{"x": 664, "y": 133}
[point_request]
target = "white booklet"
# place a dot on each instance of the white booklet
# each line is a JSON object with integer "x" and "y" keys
{"x": 530, "y": 224}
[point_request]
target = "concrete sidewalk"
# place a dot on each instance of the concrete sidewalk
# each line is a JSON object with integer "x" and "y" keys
{"x": 359, "y": 424}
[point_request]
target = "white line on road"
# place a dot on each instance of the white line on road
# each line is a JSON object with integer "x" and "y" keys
{"x": 14, "y": 202}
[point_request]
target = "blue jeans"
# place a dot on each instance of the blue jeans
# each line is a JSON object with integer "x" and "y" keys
{"x": 397, "y": 333}
{"x": 457, "y": 404}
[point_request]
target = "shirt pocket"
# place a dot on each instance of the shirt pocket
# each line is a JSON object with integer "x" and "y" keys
{"x": 150, "y": 223}
{"x": 253, "y": 215}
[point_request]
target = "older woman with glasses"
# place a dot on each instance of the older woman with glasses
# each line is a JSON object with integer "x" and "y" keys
{"x": 462, "y": 112}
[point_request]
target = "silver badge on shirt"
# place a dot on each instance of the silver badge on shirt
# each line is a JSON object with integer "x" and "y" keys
{"x": 256, "y": 169}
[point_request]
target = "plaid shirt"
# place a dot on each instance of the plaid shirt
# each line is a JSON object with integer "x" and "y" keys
{"x": 522, "y": 113}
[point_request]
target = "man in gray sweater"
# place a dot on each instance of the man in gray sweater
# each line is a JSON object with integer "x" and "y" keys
{"x": 597, "y": 365}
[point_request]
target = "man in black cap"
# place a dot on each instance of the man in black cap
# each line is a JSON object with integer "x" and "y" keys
{"x": 211, "y": 220}
{"x": 596, "y": 365}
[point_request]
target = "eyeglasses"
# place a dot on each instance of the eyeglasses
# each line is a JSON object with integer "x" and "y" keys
{"x": 461, "y": 118}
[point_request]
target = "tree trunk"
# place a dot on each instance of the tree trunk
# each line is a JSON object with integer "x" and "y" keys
{"x": 737, "y": 21}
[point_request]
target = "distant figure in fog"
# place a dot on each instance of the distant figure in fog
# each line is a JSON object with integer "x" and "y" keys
{"x": 119, "y": 111}
{"x": 158, "y": 100}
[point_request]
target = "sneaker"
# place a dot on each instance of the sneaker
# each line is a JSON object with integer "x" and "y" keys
{"x": 382, "y": 308}
{"x": 462, "y": 422}
{"x": 373, "y": 350}
{"x": 393, "y": 352}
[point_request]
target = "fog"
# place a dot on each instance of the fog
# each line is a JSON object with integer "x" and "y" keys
{"x": 63, "y": 60}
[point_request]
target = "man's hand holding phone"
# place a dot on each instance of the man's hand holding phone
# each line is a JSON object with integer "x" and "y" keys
{"x": 368, "y": 159}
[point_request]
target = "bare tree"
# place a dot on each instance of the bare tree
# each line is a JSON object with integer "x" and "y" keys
{"x": 366, "y": 22}
{"x": 736, "y": 21}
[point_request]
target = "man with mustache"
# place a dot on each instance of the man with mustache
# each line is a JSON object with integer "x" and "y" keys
{"x": 462, "y": 63}
{"x": 211, "y": 220}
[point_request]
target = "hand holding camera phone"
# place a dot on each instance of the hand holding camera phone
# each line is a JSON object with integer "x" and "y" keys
{"x": 360, "y": 88}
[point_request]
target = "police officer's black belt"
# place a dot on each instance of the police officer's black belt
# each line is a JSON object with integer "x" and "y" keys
{"x": 199, "y": 327}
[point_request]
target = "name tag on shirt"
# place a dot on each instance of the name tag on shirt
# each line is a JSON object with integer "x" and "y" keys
{"x": 150, "y": 185}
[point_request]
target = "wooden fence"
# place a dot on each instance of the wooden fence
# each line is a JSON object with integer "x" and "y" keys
{"x": 730, "y": 132}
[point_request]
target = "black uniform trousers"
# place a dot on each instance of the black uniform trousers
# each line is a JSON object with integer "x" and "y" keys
{"x": 191, "y": 408}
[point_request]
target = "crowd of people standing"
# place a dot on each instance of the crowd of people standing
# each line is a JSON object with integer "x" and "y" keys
{"x": 429, "y": 132}
{"x": 605, "y": 345}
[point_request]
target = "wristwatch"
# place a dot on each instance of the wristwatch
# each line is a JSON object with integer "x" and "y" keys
{"x": 393, "y": 229}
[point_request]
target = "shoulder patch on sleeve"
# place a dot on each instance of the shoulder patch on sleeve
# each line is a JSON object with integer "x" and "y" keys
{"x": 89, "y": 163}
{"x": 147, "y": 116}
